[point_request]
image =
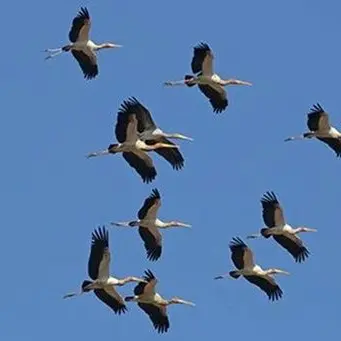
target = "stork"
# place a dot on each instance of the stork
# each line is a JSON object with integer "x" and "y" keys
{"x": 82, "y": 48}
{"x": 154, "y": 305}
{"x": 132, "y": 148}
{"x": 150, "y": 133}
{"x": 242, "y": 258}
{"x": 149, "y": 225}
{"x": 320, "y": 128}
{"x": 276, "y": 226}
{"x": 209, "y": 83}
{"x": 102, "y": 283}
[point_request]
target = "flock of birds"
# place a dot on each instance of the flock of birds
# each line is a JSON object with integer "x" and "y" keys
{"x": 137, "y": 134}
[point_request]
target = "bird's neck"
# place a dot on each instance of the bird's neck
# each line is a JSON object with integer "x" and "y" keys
{"x": 164, "y": 224}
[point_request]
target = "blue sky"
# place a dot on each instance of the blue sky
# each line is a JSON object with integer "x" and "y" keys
{"x": 52, "y": 197}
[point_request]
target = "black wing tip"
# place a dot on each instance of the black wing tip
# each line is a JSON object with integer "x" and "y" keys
{"x": 269, "y": 197}
{"x": 150, "y": 177}
{"x": 83, "y": 13}
{"x": 90, "y": 75}
{"x": 161, "y": 328}
{"x": 148, "y": 275}
{"x": 316, "y": 109}
{"x": 275, "y": 294}
{"x": 237, "y": 242}
{"x": 154, "y": 254}
{"x": 100, "y": 235}
{"x": 155, "y": 194}
{"x": 122, "y": 309}
{"x": 302, "y": 255}
{"x": 129, "y": 104}
{"x": 201, "y": 47}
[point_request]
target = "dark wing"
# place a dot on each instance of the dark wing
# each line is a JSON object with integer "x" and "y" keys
{"x": 80, "y": 26}
{"x": 293, "y": 245}
{"x": 268, "y": 285}
{"x": 142, "y": 163}
{"x": 112, "y": 299}
{"x": 200, "y": 53}
{"x": 144, "y": 118}
{"x": 141, "y": 287}
{"x": 87, "y": 62}
{"x": 318, "y": 119}
{"x": 158, "y": 316}
{"x": 154, "y": 200}
{"x": 152, "y": 242}
{"x": 272, "y": 210}
{"x": 333, "y": 143}
{"x": 216, "y": 95}
{"x": 99, "y": 247}
{"x": 242, "y": 256}
{"x": 171, "y": 155}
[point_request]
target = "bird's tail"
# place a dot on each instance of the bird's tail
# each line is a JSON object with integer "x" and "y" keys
{"x": 234, "y": 274}
{"x": 265, "y": 233}
{"x": 133, "y": 223}
{"x": 66, "y": 48}
{"x": 129, "y": 298}
{"x": 85, "y": 284}
{"x": 187, "y": 79}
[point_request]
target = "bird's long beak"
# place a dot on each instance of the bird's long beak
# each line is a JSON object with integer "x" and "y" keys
{"x": 282, "y": 272}
{"x": 186, "y": 302}
{"x": 239, "y": 82}
{"x": 116, "y": 45}
{"x": 182, "y": 137}
{"x": 244, "y": 83}
{"x": 184, "y": 225}
{"x": 308, "y": 229}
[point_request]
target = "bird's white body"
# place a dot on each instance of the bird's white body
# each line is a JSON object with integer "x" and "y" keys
{"x": 332, "y": 132}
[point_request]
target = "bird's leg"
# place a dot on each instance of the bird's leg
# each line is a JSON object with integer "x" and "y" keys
{"x": 73, "y": 294}
{"x": 53, "y": 52}
{"x": 222, "y": 276}
{"x": 308, "y": 135}
{"x": 102, "y": 152}
{"x": 254, "y": 236}
{"x": 174, "y": 83}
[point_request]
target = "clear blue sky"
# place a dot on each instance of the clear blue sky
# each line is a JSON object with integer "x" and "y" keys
{"x": 52, "y": 197}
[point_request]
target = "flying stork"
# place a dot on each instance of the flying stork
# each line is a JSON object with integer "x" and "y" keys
{"x": 149, "y": 225}
{"x": 150, "y": 133}
{"x": 81, "y": 47}
{"x": 242, "y": 258}
{"x": 209, "y": 83}
{"x": 152, "y": 303}
{"x": 132, "y": 148}
{"x": 284, "y": 234}
{"x": 102, "y": 283}
{"x": 319, "y": 126}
